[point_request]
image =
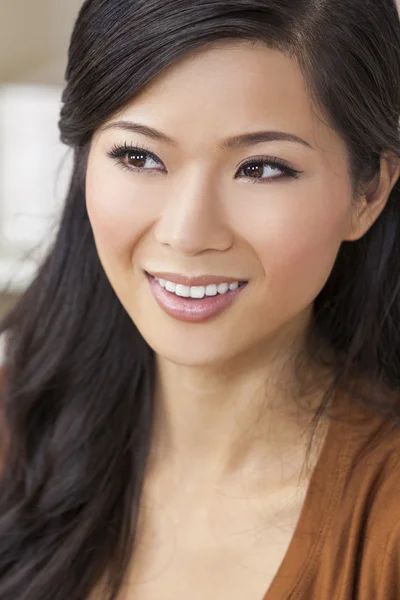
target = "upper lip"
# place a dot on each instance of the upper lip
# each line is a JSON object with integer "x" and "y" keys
{"x": 193, "y": 281}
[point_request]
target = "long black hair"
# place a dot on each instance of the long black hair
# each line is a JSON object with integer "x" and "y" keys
{"x": 77, "y": 391}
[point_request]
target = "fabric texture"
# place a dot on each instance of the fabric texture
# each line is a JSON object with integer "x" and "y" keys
{"x": 346, "y": 545}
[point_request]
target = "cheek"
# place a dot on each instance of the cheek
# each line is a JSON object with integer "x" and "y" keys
{"x": 297, "y": 246}
{"x": 118, "y": 216}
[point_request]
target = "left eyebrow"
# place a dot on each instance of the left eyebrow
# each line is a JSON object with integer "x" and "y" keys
{"x": 237, "y": 141}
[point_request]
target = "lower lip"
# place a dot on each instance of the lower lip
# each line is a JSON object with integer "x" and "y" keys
{"x": 192, "y": 310}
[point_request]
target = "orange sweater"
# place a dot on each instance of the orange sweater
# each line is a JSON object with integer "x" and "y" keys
{"x": 346, "y": 545}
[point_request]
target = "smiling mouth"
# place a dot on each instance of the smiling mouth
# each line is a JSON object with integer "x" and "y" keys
{"x": 194, "y": 304}
{"x": 194, "y": 281}
{"x": 198, "y": 291}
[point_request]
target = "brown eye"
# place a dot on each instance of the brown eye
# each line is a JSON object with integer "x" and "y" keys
{"x": 253, "y": 170}
{"x": 264, "y": 169}
{"x": 136, "y": 159}
{"x": 256, "y": 170}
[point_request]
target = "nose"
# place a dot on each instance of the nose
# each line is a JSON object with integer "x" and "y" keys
{"x": 193, "y": 220}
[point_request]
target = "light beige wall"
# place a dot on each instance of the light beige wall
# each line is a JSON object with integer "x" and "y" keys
{"x": 34, "y": 35}
{"x": 62, "y": 14}
{"x": 22, "y": 43}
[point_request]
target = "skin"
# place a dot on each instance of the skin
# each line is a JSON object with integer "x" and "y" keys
{"x": 224, "y": 400}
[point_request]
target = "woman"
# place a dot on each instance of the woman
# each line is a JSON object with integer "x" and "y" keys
{"x": 201, "y": 390}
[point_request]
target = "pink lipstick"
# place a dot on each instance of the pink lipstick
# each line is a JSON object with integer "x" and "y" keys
{"x": 189, "y": 309}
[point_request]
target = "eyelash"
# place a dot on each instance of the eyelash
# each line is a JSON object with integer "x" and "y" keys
{"x": 118, "y": 152}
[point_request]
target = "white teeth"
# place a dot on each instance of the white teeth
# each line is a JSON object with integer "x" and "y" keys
{"x": 182, "y": 290}
{"x": 197, "y": 291}
{"x": 211, "y": 290}
{"x": 223, "y": 288}
{"x": 170, "y": 286}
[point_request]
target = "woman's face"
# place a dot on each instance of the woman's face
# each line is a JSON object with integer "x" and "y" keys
{"x": 202, "y": 207}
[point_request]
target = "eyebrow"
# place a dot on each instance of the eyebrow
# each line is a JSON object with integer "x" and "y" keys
{"x": 237, "y": 141}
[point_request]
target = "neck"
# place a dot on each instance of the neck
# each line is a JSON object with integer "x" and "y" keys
{"x": 217, "y": 424}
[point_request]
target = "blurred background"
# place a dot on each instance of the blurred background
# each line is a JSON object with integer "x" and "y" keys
{"x": 34, "y": 165}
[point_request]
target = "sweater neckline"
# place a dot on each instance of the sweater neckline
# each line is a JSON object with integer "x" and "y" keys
{"x": 316, "y": 516}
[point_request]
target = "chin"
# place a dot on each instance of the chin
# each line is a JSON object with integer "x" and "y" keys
{"x": 188, "y": 346}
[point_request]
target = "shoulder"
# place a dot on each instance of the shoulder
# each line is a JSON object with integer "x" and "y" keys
{"x": 390, "y": 578}
{"x": 366, "y": 530}
{"x": 373, "y": 479}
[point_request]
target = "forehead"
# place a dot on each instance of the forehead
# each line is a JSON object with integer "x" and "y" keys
{"x": 231, "y": 87}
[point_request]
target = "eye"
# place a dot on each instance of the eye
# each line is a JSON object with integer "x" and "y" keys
{"x": 263, "y": 169}
{"x": 134, "y": 158}
{"x": 260, "y": 169}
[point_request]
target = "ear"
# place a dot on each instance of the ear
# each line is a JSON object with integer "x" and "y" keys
{"x": 368, "y": 208}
